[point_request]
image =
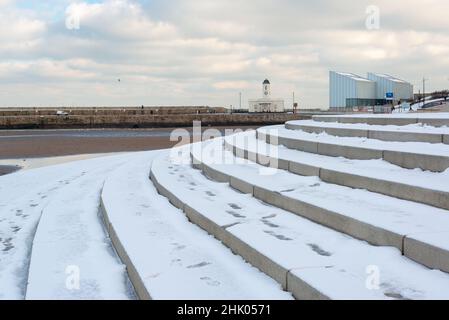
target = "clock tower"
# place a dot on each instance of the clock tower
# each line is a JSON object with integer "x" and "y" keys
{"x": 266, "y": 89}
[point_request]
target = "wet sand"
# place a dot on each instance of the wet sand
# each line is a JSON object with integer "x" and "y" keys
{"x": 16, "y": 144}
{"x": 8, "y": 169}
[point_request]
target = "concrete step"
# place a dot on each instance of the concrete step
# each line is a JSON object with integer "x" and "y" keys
{"x": 374, "y": 175}
{"x": 70, "y": 242}
{"x": 376, "y": 218}
{"x": 431, "y": 119}
{"x": 166, "y": 256}
{"x": 384, "y": 133}
{"x": 433, "y": 157}
{"x": 309, "y": 260}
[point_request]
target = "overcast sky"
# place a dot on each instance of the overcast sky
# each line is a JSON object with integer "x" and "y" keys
{"x": 204, "y": 52}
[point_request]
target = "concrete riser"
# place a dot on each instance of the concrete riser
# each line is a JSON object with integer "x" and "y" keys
{"x": 428, "y": 255}
{"x": 347, "y": 225}
{"x": 296, "y": 286}
{"x": 133, "y": 275}
{"x": 331, "y": 219}
{"x": 384, "y": 121}
{"x": 434, "y": 198}
{"x": 405, "y": 160}
{"x": 374, "y": 134}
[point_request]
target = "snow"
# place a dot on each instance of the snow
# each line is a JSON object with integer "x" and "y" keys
{"x": 375, "y": 168}
{"x": 70, "y": 233}
{"x": 175, "y": 258}
{"x": 411, "y": 128}
{"x": 34, "y": 163}
{"x": 51, "y": 224}
{"x": 436, "y": 149}
{"x": 57, "y": 206}
{"x": 51, "y": 227}
{"x": 430, "y": 115}
{"x": 327, "y": 259}
{"x": 399, "y": 216}
{"x": 428, "y": 100}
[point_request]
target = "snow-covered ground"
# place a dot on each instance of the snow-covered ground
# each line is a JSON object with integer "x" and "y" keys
{"x": 416, "y": 128}
{"x": 428, "y": 100}
{"x": 175, "y": 258}
{"x": 412, "y": 115}
{"x": 33, "y": 163}
{"x": 53, "y": 243}
{"x": 51, "y": 215}
{"x": 57, "y": 219}
{"x": 326, "y": 259}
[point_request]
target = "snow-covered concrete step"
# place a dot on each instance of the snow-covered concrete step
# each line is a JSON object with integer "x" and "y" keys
{"x": 427, "y": 156}
{"x": 379, "y": 176}
{"x": 431, "y": 119}
{"x": 410, "y": 133}
{"x": 376, "y": 218}
{"x": 167, "y": 257}
{"x": 21, "y": 203}
{"x": 72, "y": 256}
{"x": 309, "y": 260}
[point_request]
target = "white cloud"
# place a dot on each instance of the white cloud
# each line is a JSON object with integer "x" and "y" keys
{"x": 206, "y": 51}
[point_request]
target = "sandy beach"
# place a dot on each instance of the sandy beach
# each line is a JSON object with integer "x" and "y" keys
{"x": 27, "y": 149}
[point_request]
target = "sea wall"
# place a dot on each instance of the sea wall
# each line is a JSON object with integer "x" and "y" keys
{"x": 128, "y": 119}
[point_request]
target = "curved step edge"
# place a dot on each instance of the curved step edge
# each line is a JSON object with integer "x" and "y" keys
{"x": 286, "y": 278}
{"x": 403, "y": 159}
{"x": 435, "y": 198}
{"x": 417, "y": 250}
{"x": 435, "y": 122}
{"x": 134, "y": 277}
{"x": 383, "y": 135}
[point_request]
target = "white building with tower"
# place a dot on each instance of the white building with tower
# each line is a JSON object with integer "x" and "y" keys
{"x": 266, "y": 103}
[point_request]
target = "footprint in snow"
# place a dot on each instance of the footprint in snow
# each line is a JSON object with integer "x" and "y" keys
{"x": 270, "y": 224}
{"x": 235, "y": 214}
{"x": 199, "y": 265}
{"x": 210, "y": 281}
{"x": 15, "y": 229}
{"x": 234, "y": 206}
{"x": 177, "y": 262}
{"x": 277, "y": 236}
{"x": 316, "y": 248}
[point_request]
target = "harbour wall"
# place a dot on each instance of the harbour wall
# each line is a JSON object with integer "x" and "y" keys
{"x": 135, "y": 118}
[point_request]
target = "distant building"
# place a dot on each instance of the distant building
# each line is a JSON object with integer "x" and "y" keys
{"x": 266, "y": 103}
{"x": 348, "y": 90}
{"x": 386, "y": 84}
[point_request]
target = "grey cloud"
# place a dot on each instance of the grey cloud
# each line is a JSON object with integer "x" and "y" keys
{"x": 199, "y": 52}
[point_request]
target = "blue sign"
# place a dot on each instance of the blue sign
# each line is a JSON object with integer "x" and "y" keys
{"x": 389, "y": 95}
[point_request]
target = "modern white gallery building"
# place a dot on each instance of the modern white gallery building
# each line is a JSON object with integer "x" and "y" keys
{"x": 348, "y": 90}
